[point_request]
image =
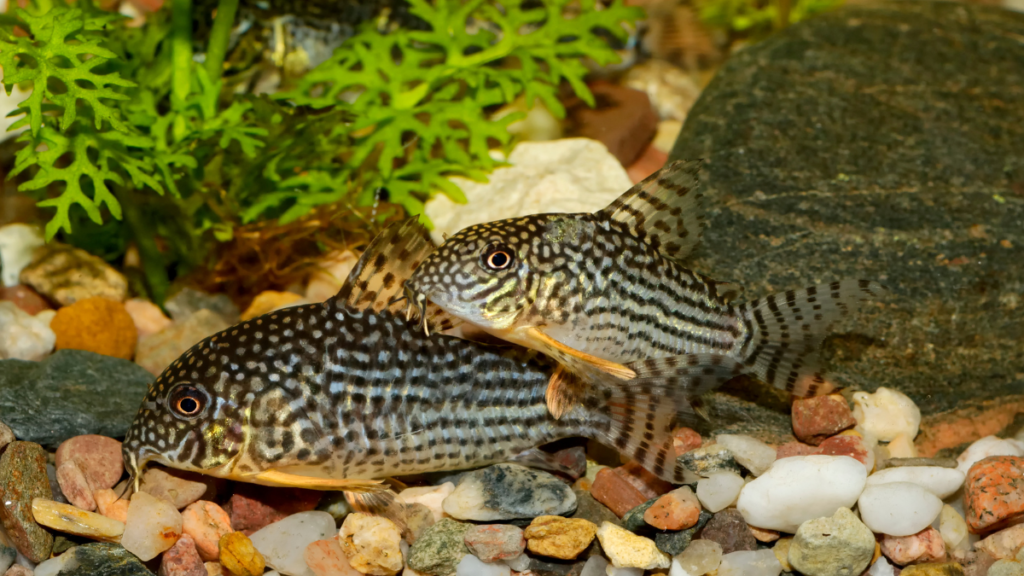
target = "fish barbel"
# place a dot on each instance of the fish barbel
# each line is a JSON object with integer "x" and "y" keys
{"x": 596, "y": 291}
{"x": 339, "y": 395}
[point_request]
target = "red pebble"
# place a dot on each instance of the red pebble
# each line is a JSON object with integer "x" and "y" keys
{"x": 795, "y": 449}
{"x": 74, "y": 486}
{"x": 25, "y": 298}
{"x": 182, "y": 559}
{"x": 494, "y": 542}
{"x": 626, "y": 487}
{"x": 98, "y": 457}
{"x": 815, "y": 419}
{"x": 677, "y": 510}
{"x": 994, "y": 493}
{"x": 845, "y": 445}
{"x": 252, "y": 506}
{"x": 684, "y": 440}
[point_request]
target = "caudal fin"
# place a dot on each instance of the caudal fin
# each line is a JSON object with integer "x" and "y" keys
{"x": 788, "y": 328}
{"x": 644, "y": 412}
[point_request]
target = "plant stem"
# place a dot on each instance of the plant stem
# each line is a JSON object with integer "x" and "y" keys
{"x": 153, "y": 267}
{"x": 181, "y": 38}
{"x": 217, "y": 47}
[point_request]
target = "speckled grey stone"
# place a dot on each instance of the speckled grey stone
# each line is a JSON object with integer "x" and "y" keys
{"x": 882, "y": 142}
{"x": 507, "y": 491}
{"x": 70, "y": 393}
{"x": 440, "y": 548}
{"x": 102, "y": 559}
{"x": 673, "y": 543}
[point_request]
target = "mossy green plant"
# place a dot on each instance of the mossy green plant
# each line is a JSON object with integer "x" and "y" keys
{"x": 128, "y": 131}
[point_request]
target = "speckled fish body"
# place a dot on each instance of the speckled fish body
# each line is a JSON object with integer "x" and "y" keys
{"x": 595, "y": 291}
{"x": 342, "y": 391}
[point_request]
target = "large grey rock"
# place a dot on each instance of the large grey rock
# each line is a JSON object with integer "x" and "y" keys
{"x": 70, "y": 393}
{"x": 886, "y": 143}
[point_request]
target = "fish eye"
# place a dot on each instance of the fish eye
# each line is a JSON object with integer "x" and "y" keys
{"x": 187, "y": 401}
{"x": 498, "y": 257}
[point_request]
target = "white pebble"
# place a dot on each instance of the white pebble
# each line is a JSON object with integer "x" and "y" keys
{"x": 985, "y": 447}
{"x": 719, "y": 490}
{"x": 750, "y": 453}
{"x": 283, "y": 543}
{"x": 54, "y": 566}
{"x": 800, "y": 488}
{"x": 953, "y": 528}
{"x": 942, "y": 482}
{"x": 750, "y": 563}
{"x": 886, "y": 414}
{"x": 595, "y": 566}
{"x": 153, "y": 526}
{"x": 472, "y": 566}
{"x": 24, "y": 336}
{"x": 17, "y": 245}
{"x": 898, "y": 508}
{"x": 881, "y": 567}
{"x": 699, "y": 558}
{"x": 677, "y": 570}
{"x": 518, "y": 563}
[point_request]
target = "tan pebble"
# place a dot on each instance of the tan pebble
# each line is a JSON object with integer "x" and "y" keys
{"x": 267, "y": 301}
{"x": 153, "y": 526}
{"x": 372, "y": 544}
{"x": 214, "y": 569}
{"x": 109, "y": 505}
{"x": 557, "y": 537}
{"x": 627, "y": 550}
{"x": 763, "y": 534}
{"x": 18, "y": 570}
{"x": 1004, "y": 544}
{"x": 206, "y": 523}
{"x": 781, "y": 551}
{"x": 74, "y": 486}
{"x": 429, "y": 496}
{"x": 172, "y": 488}
{"x": 148, "y": 317}
{"x": 72, "y": 520}
{"x": 325, "y": 558}
{"x": 925, "y": 546}
{"x": 239, "y": 556}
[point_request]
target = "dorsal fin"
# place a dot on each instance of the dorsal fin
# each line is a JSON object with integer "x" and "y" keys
{"x": 665, "y": 209}
{"x": 377, "y": 281}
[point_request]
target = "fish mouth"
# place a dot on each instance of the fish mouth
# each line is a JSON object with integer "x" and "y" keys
{"x": 417, "y": 304}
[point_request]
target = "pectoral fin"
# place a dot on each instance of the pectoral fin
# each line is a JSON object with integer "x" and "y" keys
{"x": 573, "y": 359}
{"x": 382, "y": 503}
{"x": 283, "y": 479}
{"x": 564, "y": 390}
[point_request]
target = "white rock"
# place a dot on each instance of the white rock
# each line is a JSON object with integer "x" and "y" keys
{"x": 942, "y": 482}
{"x": 898, "y": 508}
{"x": 568, "y": 175}
{"x": 988, "y": 446}
{"x": 17, "y": 243}
{"x": 800, "y": 488}
{"x": 518, "y": 563}
{"x": 881, "y": 567}
{"x": 24, "y": 336}
{"x": 719, "y": 490}
{"x": 153, "y": 526}
{"x": 750, "y": 563}
{"x": 750, "y": 453}
{"x": 429, "y": 496}
{"x": 886, "y": 414}
{"x": 283, "y": 543}
{"x": 54, "y": 566}
{"x": 595, "y": 566}
{"x": 699, "y": 558}
{"x": 472, "y": 566}
{"x": 953, "y": 528}
{"x": 617, "y": 571}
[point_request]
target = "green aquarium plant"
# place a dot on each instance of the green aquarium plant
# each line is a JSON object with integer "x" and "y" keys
{"x": 757, "y": 18}
{"x": 130, "y": 138}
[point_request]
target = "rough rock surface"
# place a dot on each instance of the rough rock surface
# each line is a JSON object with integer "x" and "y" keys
{"x": 70, "y": 393}
{"x": 862, "y": 144}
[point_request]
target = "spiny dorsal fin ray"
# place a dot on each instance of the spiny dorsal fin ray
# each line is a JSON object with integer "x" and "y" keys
{"x": 647, "y": 410}
{"x": 788, "y": 328}
{"x": 378, "y": 278}
{"x": 665, "y": 209}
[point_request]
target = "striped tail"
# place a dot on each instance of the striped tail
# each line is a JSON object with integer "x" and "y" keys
{"x": 640, "y": 415}
{"x": 787, "y": 330}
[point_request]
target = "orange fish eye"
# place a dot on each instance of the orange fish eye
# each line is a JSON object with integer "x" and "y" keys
{"x": 499, "y": 258}
{"x": 187, "y": 401}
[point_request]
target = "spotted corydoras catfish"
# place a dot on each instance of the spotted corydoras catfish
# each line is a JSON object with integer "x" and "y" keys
{"x": 595, "y": 291}
{"x": 339, "y": 395}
